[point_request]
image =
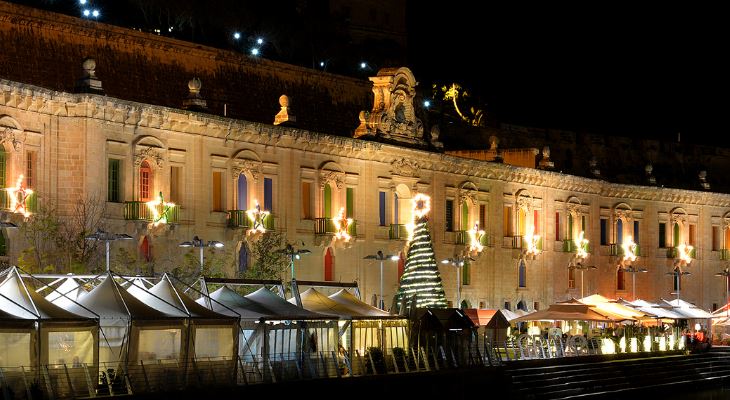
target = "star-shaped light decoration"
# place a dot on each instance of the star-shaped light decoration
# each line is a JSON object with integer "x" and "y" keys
{"x": 257, "y": 218}
{"x": 531, "y": 241}
{"x": 342, "y": 225}
{"x": 582, "y": 246}
{"x": 629, "y": 249}
{"x": 160, "y": 210}
{"x": 18, "y": 196}
{"x": 421, "y": 205}
{"x": 475, "y": 239}
{"x": 683, "y": 253}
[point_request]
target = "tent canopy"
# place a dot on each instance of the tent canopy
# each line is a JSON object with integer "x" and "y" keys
{"x": 566, "y": 312}
{"x": 688, "y": 310}
{"x": 313, "y": 300}
{"x": 282, "y": 309}
{"x": 492, "y": 319}
{"x": 164, "y": 297}
{"x": 443, "y": 318}
{"x": 23, "y": 302}
{"x": 348, "y": 300}
{"x": 228, "y": 302}
{"x": 66, "y": 293}
{"x": 613, "y": 309}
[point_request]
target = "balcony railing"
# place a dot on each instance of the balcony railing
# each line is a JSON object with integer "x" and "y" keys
{"x": 326, "y": 226}
{"x": 238, "y": 219}
{"x": 617, "y": 250}
{"x": 673, "y": 252}
{"x": 487, "y": 240}
{"x": 139, "y": 211}
{"x": 569, "y": 246}
{"x": 31, "y": 202}
{"x": 513, "y": 242}
{"x": 398, "y": 232}
{"x": 461, "y": 237}
{"x": 725, "y": 254}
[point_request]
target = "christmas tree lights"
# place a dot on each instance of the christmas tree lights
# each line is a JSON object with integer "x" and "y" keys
{"x": 421, "y": 278}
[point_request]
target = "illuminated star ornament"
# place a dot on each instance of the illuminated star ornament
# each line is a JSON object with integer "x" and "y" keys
{"x": 629, "y": 249}
{"x": 421, "y": 205}
{"x": 582, "y": 250}
{"x": 531, "y": 241}
{"x": 18, "y": 196}
{"x": 342, "y": 225}
{"x": 683, "y": 253}
{"x": 475, "y": 239}
{"x": 160, "y": 210}
{"x": 257, "y": 219}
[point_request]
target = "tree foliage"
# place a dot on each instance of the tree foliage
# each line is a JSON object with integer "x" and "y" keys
{"x": 266, "y": 261}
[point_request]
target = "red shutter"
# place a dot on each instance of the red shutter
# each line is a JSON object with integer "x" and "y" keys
{"x": 401, "y": 265}
{"x": 329, "y": 261}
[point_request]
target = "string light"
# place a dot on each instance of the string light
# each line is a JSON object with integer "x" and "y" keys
{"x": 236, "y": 35}
{"x": 582, "y": 250}
{"x": 342, "y": 225}
{"x": 255, "y": 51}
{"x": 629, "y": 249}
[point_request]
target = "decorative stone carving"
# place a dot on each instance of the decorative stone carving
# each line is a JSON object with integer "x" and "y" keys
{"x": 89, "y": 83}
{"x": 328, "y": 176}
{"x": 545, "y": 162}
{"x": 524, "y": 202}
{"x": 194, "y": 102}
{"x": 468, "y": 195}
{"x": 150, "y": 154}
{"x": 393, "y": 116}
{"x": 15, "y": 138}
{"x": 284, "y": 117}
{"x": 404, "y": 167}
{"x": 251, "y": 167}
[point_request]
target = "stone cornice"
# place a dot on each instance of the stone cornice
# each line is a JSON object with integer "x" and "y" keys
{"x": 137, "y": 115}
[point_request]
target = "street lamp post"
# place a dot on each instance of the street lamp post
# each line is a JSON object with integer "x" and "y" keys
{"x": 381, "y": 257}
{"x": 201, "y": 244}
{"x": 107, "y": 238}
{"x": 458, "y": 261}
{"x": 293, "y": 254}
{"x": 580, "y": 267}
{"x": 633, "y": 270}
{"x": 726, "y": 274}
{"x": 676, "y": 275}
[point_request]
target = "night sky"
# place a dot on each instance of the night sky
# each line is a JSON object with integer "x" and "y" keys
{"x": 626, "y": 70}
{"x": 650, "y": 72}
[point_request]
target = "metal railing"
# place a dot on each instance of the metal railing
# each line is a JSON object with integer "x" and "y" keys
{"x": 140, "y": 211}
{"x": 326, "y": 226}
{"x": 398, "y": 232}
{"x": 238, "y": 219}
{"x": 31, "y": 202}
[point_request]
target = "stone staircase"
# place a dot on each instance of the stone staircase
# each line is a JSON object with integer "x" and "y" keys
{"x": 574, "y": 379}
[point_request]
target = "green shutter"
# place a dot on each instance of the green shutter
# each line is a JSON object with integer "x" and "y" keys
{"x": 570, "y": 227}
{"x": 466, "y": 275}
{"x": 676, "y": 235}
{"x": 327, "y": 201}
{"x": 350, "y": 211}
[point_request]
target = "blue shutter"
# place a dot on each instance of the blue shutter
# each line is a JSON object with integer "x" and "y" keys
{"x": 242, "y": 203}
{"x": 268, "y": 195}
{"x": 381, "y": 201}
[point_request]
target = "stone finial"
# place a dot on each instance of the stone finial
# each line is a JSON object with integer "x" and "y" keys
{"x": 89, "y": 83}
{"x": 703, "y": 180}
{"x": 284, "y": 117}
{"x": 545, "y": 162}
{"x": 435, "y": 133}
{"x": 650, "y": 179}
{"x": 593, "y": 163}
{"x": 195, "y": 102}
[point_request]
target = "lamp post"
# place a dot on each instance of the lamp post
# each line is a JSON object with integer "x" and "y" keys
{"x": 107, "y": 238}
{"x": 633, "y": 270}
{"x": 201, "y": 244}
{"x": 293, "y": 254}
{"x": 458, "y": 261}
{"x": 580, "y": 267}
{"x": 726, "y": 274}
{"x": 676, "y": 275}
{"x": 381, "y": 257}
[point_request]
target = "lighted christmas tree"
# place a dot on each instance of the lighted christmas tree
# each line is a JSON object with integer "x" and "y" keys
{"x": 421, "y": 279}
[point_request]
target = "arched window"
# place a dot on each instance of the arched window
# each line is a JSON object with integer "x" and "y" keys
{"x": 145, "y": 182}
{"x": 243, "y": 258}
{"x": 242, "y": 200}
{"x": 145, "y": 249}
{"x": 521, "y": 305}
{"x": 522, "y": 274}
{"x": 675, "y": 235}
{"x": 327, "y": 200}
{"x": 521, "y": 222}
{"x": 620, "y": 281}
{"x": 619, "y": 231}
{"x": 329, "y": 264}
{"x": 465, "y": 216}
{"x": 401, "y": 265}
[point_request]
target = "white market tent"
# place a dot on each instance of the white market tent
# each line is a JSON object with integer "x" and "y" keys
{"x": 653, "y": 309}
{"x": 687, "y": 310}
{"x": 67, "y": 293}
{"x": 209, "y": 336}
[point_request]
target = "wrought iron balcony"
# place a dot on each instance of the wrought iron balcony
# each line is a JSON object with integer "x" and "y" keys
{"x": 398, "y": 232}
{"x": 238, "y": 219}
{"x": 139, "y": 211}
{"x": 31, "y": 202}
{"x": 326, "y": 226}
{"x": 569, "y": 246}
{"x": 725, "y": 254}
{"x": 673, "y": 252}
{"x": 461, "y": 237}
{"x": 514, "y": 242}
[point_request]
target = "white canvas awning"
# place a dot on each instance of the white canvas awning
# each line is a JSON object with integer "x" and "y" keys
{"x": 363, "y": 309}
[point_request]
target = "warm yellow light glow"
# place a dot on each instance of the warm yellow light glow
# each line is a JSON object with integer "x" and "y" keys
{"x": 622, "y": 344}
{"x": 342, "y": 224}
{"x": 410, "y": 228}
{"x": 608, "y": 346}
{"x": 531, "y": 241}
{"x": 683, "y": 251}
{"x": 629, "y": 249}
{"x": 647, "y": 343}
{"x": 160, "y": 210}
{"x": 662, "y": 343}
{"x": 582, "y": 243}
{"x": 421, "y": 205}
{"x": 257, "y": 219}
{"x": 533, "y": 331}
{"x": 672, "y": 341}
{"x": 18, "y": 195}
{"x": 475, "y": 238}
{"x": 682, "y": 342}
{"x": 634, "y": 345}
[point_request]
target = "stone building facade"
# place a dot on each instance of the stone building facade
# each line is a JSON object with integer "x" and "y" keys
{"x": 75, "y": 145}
